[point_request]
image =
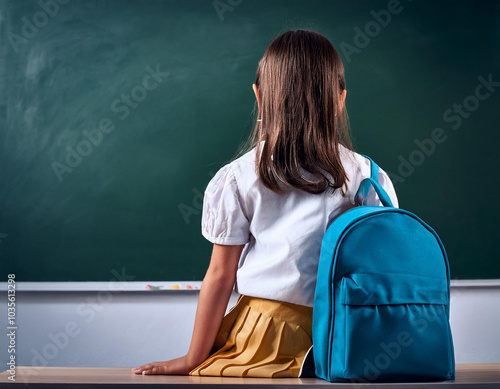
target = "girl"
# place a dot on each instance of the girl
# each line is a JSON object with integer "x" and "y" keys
{"x": 266, "y": 213}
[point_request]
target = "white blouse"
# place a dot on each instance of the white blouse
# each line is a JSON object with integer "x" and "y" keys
{"x": 282, "y": 233}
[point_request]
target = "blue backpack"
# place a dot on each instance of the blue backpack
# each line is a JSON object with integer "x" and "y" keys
{"x": 381, "y": 305}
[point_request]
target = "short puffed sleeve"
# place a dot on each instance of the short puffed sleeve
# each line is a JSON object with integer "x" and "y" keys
{"x": 223, "y": 220}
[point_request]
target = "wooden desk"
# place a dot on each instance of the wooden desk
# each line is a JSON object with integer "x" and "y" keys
{"x": 467, "y": 376}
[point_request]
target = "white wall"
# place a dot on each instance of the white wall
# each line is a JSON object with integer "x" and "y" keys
{"x": 127, "y": 328}
{"x": 475, "y": 321}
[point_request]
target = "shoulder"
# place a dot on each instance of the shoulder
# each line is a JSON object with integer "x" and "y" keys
{"x": 224, "y": 178}
{"x": 243, "y": 168}
{"x": 234, "y": 173}
{"x": 354, "y": 163}
{"x": 357, "y": 162}
{"x": 358, "y": 167}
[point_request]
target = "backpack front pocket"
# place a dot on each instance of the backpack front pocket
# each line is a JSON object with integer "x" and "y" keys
{"x": 395, "y": 327}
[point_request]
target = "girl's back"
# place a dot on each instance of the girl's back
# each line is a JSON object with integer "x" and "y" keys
{"x": 282, "y": 232}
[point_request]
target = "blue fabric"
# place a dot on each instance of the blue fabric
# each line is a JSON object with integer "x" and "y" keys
{"x": 381, "y": 305}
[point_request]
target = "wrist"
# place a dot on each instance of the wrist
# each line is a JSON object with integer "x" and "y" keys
{"x": 193, "y": 360}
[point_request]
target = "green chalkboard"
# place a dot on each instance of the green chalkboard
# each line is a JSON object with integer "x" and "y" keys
{"x": 116, "y": 114}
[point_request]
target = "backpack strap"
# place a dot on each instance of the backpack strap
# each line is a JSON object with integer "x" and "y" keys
{"x": 365, "y": 185}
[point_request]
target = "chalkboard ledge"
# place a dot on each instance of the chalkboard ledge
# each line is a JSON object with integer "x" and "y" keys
{"x": 169, "y": 286}
{"x": 491, "y": 283}
{"x": 107, "y": 286}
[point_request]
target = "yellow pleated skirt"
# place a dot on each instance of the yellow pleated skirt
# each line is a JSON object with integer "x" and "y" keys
{"x": 260, "y": 338}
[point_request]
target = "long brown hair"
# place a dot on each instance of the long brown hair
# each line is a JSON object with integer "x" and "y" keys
{"x": 300, "y": 79}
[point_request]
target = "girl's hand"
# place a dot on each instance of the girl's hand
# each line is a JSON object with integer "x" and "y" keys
{"x": 212, "y": 303}
{"x": 178, "y": 366}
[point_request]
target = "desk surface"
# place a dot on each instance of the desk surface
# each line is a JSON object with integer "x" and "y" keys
{"x": 467, "y": 376}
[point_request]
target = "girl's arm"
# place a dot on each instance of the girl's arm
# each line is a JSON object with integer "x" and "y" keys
{"x": 215, "y": 292}
{"x": 214, "y": 296}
